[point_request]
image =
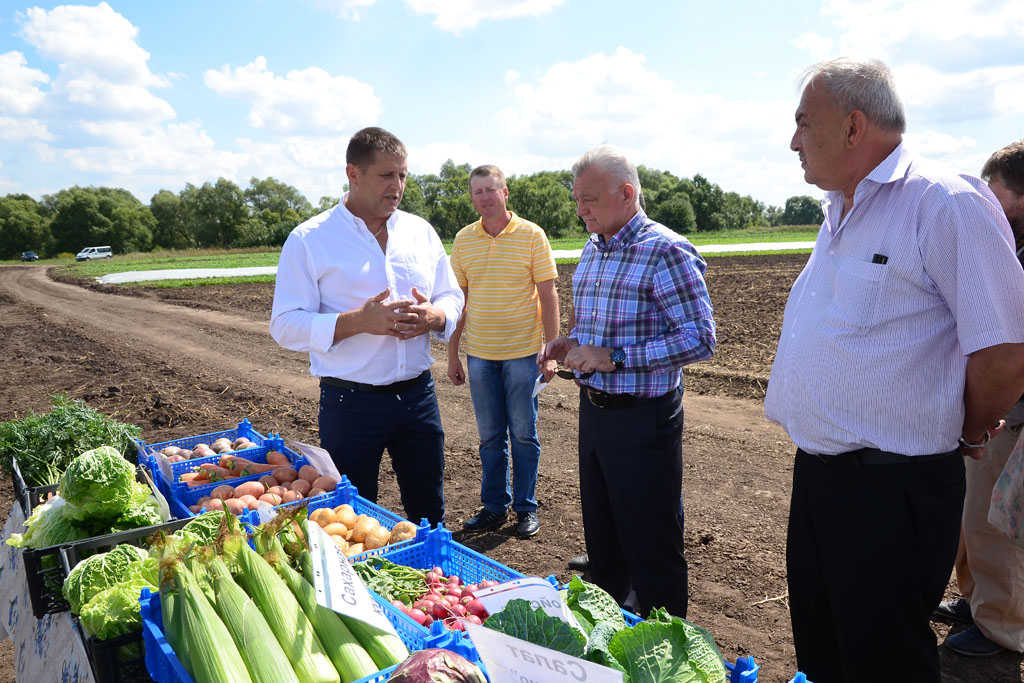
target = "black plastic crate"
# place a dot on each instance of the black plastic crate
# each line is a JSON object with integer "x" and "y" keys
{"x": 118, "y": 660}
{"x": 46, "y": 568}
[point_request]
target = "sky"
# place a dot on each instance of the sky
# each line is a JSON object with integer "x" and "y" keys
{"x": 148, "y": 95}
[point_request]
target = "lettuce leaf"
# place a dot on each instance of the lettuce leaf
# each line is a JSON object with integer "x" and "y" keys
{"x": 115, "y": 611}
{"x": 99, "y": 572}
{"x": 591, "y": 605}
{"x": 517, "y": 619}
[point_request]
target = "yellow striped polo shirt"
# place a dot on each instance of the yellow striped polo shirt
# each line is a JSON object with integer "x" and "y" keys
{"x": 502, "y": 273}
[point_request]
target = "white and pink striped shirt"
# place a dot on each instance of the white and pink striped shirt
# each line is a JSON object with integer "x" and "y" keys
{"x": 873, "y": 352}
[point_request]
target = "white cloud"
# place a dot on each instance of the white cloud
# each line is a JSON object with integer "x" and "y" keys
{"x": 23, "y": 129}
{"x": 512, "y": 76}
{"x": 19, "y": 92}
{"x": 818, "y": 47}
{"x": 346, "y": 9}
{"x": 457, "y": 15}
{"x": 617, "y": 99}
{"x": 308, "y": 101}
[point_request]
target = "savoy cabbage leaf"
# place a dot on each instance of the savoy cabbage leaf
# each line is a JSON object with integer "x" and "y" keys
{"x": 517, "y": 619}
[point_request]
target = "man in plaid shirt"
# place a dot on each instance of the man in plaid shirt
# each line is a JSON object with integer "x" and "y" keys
{"x": 642, "y": 312}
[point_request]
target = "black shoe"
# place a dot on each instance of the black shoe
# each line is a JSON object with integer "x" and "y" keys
{"x": 486, "y": 520}
{"x": 972, "y": 643}
{"x": 527, "y": 524}
{"x": 958, "y": 610}
{"x": 581, "y": 563}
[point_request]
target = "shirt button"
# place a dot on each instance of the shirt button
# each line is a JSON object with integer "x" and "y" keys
{"x": 597, "y": 284}
{"x": 594, "y": 314}
{"x": 814, "y": 294}
{"x": 793, "y": 335}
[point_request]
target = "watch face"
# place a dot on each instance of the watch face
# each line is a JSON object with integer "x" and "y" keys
{"x": 618, "y": 356}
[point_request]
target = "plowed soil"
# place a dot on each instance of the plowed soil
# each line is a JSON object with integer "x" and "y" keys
{"x": 180, "y": 362}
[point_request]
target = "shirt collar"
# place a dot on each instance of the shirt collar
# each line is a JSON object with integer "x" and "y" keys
{"x": 356, "y": 220}
{"x": 513, "y": 223}
{"x": 624, "y": 236}
{"x": 894, "y": 167}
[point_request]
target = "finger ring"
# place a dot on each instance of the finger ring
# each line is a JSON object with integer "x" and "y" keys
{"x": 395, "y": 326}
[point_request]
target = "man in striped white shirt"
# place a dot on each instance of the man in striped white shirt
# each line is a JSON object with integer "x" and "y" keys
{"x": 902, "y": 347}
{"x": 506, "y": 269}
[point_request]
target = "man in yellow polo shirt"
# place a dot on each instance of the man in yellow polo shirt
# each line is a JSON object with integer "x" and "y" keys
{"x": 506, "y": 269}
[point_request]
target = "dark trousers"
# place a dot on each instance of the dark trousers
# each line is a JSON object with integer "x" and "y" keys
{"x": 631, "y": 477}
{"x": 356, "y": 427}
{"x": 868, "y": 557}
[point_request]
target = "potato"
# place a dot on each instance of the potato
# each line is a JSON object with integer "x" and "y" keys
{"x": 195, "y": 509}
{"x": 364, "y": 525}
{"x": 322, "y": 516}
{"x": 214, "y": 504}
{"x": 278, "y": 458}
{"x": 268, "y": 481}
{"x": 175, "y": 458}
{"x": 340, "y": 542}
{"x": 326, "y": 483}
{"x": 315, "y": 492}
{"x": 403, "y": 531}
{"x": 221, "y": 445}
{"x": 346, "y": 515}
{"x": 186, "y": 453}
{"x": 337, "y": 529}
{"x": 377, "y": 537}
{"x": 224, "y": 491}
{"x": 251, "y": 502}
{"x": 309, "y": 473}
{"x": 291, "y": 496}
{"x": 302, "y": 486}
{"x": 235, "y": 506}
{"x": 278, "y": 491}
{"x": 250, "y": 488}
{"x": 271, "y": 498}
{"x": 285, "y": 474}
{"x": 354, "y": 549}
{"x": 170, "y": 450}
{"x": 240, "y": 443}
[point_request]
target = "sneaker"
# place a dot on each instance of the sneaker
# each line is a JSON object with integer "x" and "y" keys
{"x": 527, "y": 524}
{"x": 580, "y": 563}
{"x": 958, "y": 610}
{"x": 486, "y": 520}
{"x": 973, "y": 643}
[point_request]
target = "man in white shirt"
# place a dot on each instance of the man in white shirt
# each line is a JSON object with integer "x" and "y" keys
{"x": 902, "y": 346}
{"x": 358, "y": 288}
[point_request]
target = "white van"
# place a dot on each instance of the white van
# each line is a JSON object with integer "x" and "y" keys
{"x": 90, "y": 253}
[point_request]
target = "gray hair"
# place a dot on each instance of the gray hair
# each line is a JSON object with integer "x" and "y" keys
{"x": 612, "y": 161}
{"x": 866, "y": 85}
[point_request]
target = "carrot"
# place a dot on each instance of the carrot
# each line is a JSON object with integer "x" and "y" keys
{"x": 189, "y": 476}
{"x": 243, "y": 467}
{"x": 198, "y": 482}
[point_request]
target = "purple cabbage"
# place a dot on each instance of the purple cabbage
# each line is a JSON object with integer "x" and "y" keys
{"x": 437, "y": 666}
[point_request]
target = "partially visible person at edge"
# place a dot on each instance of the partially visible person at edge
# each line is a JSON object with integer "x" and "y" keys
{"x": 901, "y": 349}
{"x": 359, "y": 287}
{"x": 506, "y": 269}
{"x": 642, "y": 312}
{"x": 989, "y": 566}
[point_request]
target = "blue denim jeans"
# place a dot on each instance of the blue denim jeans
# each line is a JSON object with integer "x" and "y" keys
{"x": 506, "y": 412}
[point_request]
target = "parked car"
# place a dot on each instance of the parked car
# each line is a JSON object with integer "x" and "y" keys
{"x": 90, "y": 253}
{"x": 29, "y": 256}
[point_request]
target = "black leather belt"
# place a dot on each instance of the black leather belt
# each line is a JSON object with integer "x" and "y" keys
{"x": 393, "y": 388}
{"x": 872, "y": 456}
{"x": 602, "y": 400}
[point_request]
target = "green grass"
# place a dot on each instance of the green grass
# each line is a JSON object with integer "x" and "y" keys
{"x": 785, "y": 233}
{"x": 175, "y": 260}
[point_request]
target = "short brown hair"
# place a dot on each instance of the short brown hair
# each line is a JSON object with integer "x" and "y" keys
{"x": 1007, "y": 165}
{"x": 365, "y": 143}
{"x": 487, "y": 171}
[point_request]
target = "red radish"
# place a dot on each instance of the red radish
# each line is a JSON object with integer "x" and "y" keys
{"x": 474, "y": 619}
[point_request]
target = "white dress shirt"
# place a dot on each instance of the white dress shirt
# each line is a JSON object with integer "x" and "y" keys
{"x": 331, "y": 264}
{"x": 875, "y": 355}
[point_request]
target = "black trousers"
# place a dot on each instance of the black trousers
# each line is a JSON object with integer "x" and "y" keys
{"x": 869, "y": 554}
{"x": 631, "y": 476}
{"x": 356, "y": 427}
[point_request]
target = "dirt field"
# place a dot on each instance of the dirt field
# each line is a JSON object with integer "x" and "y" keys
{"x": 179, "y": 362}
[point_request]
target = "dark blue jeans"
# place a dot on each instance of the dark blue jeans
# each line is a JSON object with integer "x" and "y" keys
{"x": 356, "y": 427}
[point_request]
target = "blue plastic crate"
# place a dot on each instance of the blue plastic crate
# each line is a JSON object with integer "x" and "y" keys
{"x": 165, "y": 667}
{"x": 346, "y": 493}
{"x": 145, "y": 450}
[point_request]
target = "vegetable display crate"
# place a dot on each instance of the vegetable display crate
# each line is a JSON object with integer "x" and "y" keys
{"x": 45, "y": 570}
{"x": 117, "y": 660}
{"x": 145, "y": 451}
{"x": 181, "y": 495}
{"x": 165, "y": 667}
{"x": 437, "y": 549}
{"x": 346, "y": 493}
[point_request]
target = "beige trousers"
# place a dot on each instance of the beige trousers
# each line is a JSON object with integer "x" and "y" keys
{"x": 989, "y": 567}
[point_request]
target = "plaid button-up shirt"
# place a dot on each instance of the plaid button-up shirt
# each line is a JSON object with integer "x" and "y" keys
{"x": 643, "y": 291}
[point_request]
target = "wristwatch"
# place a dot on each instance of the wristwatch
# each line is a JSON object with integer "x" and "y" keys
{"x": 618, "y": 356}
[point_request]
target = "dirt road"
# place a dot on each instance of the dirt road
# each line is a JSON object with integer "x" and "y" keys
{"x": 183, "y": 362}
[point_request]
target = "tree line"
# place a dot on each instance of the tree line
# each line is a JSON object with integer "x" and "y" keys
{"x": 224, "y": 215}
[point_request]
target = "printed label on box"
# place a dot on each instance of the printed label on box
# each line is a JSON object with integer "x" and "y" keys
{"x": 318, "y": 458}
{"x": 536, "y": 591}
{"x": 511, "y": 660}
{"x": 337, "y": 585}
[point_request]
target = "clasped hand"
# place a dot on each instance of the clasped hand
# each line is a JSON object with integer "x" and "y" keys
{"x": 402, "y": 318}
{"x": 583, "y": 358}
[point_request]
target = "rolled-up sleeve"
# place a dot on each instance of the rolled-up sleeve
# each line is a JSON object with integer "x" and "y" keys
{"x": 446, "y": 294}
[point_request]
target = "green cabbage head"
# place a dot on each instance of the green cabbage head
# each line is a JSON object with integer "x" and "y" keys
{"x": 99, "y": 572}
{"x": 98, "y": 484}
{"x": 115, "y": 611}
{"x": 50, "y": 524}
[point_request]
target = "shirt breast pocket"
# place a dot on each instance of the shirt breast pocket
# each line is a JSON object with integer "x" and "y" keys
{"x": 859, "y": 291}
